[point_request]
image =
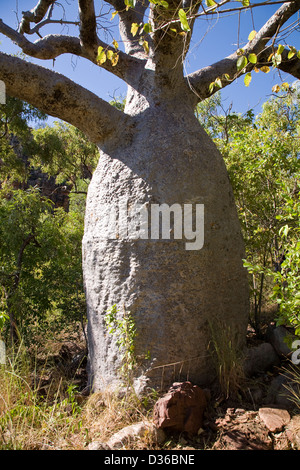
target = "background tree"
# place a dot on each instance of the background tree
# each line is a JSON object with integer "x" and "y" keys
{"x": 40, "y": 277}
{"x": 15, "y": 132}
{"x": 40, "y": 244}
{"x": 153, "y": 152}
{"x": 64, "y": 152}
{"x": 262, "y": 158}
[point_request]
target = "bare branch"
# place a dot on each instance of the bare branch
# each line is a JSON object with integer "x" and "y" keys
{"x": 35, "y": 15}
{"x": 52, "y": 46}
{"x": 36, "y": 29}
{"x": 213, "y": 10}
{"x": 226, "y": 69}
{"x": 60, "y": 97}
{"x": 46, "y": 48}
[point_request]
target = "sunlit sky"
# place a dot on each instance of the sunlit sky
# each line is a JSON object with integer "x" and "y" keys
{"x": 213, "y": 39}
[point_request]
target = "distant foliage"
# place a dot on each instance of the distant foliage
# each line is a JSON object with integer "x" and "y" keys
{"x": 63, "y": 151}
{"x": 16, "y": 117}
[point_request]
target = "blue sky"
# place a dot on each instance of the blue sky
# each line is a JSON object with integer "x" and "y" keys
{"x": 213, "y": 40}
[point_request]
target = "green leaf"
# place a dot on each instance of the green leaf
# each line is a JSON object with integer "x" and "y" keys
{"x": 252, "y": 35}
{"x": 210, "y": 3}
{"x": 218, "y": 83}
{"x": 247, "y": 79}
{"x": 297, "y": 331}
{"x": 147, "y": 28}
{"x": 183, "y": 20}
{"x": 292, "y": 52}
{"x": 226, "y": 77}
{"x": 130, "y": 3}
{"x": 101, "y": 57}
{"x": 280, "y": 49}
{"x": 265, "y": 69}
{"x": 252, "y": 58}
{"x": 284, "y": 230}
{"x": 134, "y": 29}
{"x": 145, "y": 45}
{"x": 211, "y": 87}
{"x": 276, "y": 59}
{"x": 161, "y": 3}
{"x": 113, "y": 57}
{"x": 245, "y": 3}
{"x": 241, "y": 63}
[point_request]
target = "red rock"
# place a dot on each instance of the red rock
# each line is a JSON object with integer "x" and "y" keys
{"x": 274, "y": 418}
{"x": 181, "y": 409}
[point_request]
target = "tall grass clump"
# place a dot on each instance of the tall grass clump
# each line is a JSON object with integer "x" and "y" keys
{"x": 32, "y": 416}
{"x": 41, "y": 407}
{"x": 227, "y": 360}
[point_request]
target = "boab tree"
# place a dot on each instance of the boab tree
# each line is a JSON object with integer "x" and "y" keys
{"x": 153, "y": 153}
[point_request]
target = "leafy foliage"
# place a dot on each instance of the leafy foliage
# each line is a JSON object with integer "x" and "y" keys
{"x": 287, "y": 279}
{"x": 262, "y": 157}
{"x": 40, "y": 252}
{"x": 41, "y": 286}
{"x": 63, "y": 151}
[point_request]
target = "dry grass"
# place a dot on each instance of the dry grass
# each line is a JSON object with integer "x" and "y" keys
{"x": 41, "y": 409}
{"x": 227, "y": 360}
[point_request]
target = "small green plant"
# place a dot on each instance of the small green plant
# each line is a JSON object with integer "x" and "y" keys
{"x": 72, "y": 390}
{"x": 123, "y": 328}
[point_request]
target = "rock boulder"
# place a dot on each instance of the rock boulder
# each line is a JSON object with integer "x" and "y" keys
{"x": 181, "y": 409}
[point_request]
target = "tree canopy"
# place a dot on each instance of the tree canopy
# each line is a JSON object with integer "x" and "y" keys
{"x": 157, "y": 32}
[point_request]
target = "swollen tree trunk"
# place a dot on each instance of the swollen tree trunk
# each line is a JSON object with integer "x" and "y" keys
{"x": 175, "y": 295}
{"x": 155, "y": 154}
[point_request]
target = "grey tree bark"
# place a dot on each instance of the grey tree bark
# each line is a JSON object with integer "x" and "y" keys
{"x": 176, "y": 296}
{"x": 154, "y": 153}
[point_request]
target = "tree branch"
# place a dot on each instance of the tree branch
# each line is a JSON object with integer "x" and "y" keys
{"x": 35, "y": 15}
{"x": 53, "y": 45}
{"x": 88, "y": 27}
{"x": 60, "y": 97}
{"x": 49, "y": 47}
{"x": 290, "y": 66}
{"x": 200, "y": 80}
{"x": 127, "y": 17}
